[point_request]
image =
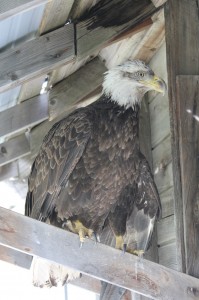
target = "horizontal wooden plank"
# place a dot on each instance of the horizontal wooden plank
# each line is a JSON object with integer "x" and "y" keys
{"x": 24, "y": 115}
{"x": 167, "y": 256}
{"x": 15, "y": 257}
{"x": 98, "y": 26}
{"x": 75, "y": 87}
{"x": 167, "y": 201}
{"x": 14, "y": 149}
{"x": 99, "y": 261}
{"x": 166, "y": 230}
{"x": 10, "y": 8}
{"x": 8, "y": 171}
{"x": 36, "y": 57}
{"x": 164, "y": 178}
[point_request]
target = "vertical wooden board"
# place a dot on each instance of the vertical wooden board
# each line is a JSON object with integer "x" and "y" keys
{"x": 182, "y": 30}
{"x": 188, "y": 108}
{"x": 159, "y": 116}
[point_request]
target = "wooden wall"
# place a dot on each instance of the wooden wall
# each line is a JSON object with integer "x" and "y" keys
{"x": 162, "y": 164}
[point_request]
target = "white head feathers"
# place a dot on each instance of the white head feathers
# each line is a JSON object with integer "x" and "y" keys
{"x": 123, "y": 85}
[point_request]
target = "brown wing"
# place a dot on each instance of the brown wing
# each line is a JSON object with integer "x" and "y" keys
{"x": 61, "y": 150}
{"x": 147, "y": 208}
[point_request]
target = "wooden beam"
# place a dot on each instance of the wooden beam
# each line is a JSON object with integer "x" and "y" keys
{"x": 36, "y": 57}
{"x": 100, "y": 261}
{"x": 24, "y": 115}
{"x": 8, "y": 171}
{"x": 14, "y": 149}
{"x": 75, "y": 87}
{"x": 97, "y": 27}
{"x": 10, "y": 8}
{"x": 188, "y": 116}
{"x": 15, "y": 257}
{"x": 181, "y": 25}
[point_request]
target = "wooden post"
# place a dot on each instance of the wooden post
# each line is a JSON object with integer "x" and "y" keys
{"x": 182, "y": 41}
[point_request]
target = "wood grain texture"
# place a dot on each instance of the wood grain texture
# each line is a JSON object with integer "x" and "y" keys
{"x": 36, "y": 57}
{"x": 100, "y": 261}
{"x": 55, "y": 15}
{"x": 14, "y": 149}
{"x": 24, "y": 115}
{"x": 93, "y": 33}
{"x": 10, "y": 8}
{"x": 15, "y": 257}
{"x": 181, "y": 24}
{"x": 165, "y": 231}
{"x": 167, "y": 256}
{"x": 8, "y": 171}
{"x": 75, "y": 87}
{"x": 188, "y": 116}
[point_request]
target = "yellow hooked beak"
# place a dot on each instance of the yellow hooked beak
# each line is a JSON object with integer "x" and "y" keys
{"x": 155, "y": 83}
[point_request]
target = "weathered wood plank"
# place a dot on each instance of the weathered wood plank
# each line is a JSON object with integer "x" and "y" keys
{"x": 98, "y": 26}
{"x": 13, "y": 149}
{"x": 9, "y": 170}
{"x": 75, "y": 87}
{"x": 184, "y": 60}
{"x": 36, "y": 57}
{"x": 24, "y": 115}
{"x": 164, "y": 178}
{"x": 188, "y": 109}
{"x": 152, "y": 40}
{"x": 167, "y": 256}
{"x": 99, "y": 261}
{"x": 55, "y": 15}
{"x": 160, "y": 122}
{"x": 165, "y": 231}
{"x": 167, "y": 201}
{"x": 10, "y": 8}
{"x": 15, "y": 257}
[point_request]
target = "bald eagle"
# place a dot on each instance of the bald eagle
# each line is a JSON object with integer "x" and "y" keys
{"x": 90, "y": 171}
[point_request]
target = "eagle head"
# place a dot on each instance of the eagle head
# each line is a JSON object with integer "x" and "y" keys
{"x": 126, "y": 84}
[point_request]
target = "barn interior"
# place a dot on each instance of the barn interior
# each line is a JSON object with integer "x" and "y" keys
{"x": 53, "y": 54}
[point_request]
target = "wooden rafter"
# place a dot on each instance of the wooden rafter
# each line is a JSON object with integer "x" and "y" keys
{"x": 14, "y": 149}
{"x": 23, "y": 116}
{"x": 36, "y": 57}
{"x": 100, "y": 261}
{"x": 13, "y": 7}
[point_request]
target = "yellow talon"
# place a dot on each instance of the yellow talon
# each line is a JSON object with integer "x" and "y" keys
{"x": 119, "y": 242}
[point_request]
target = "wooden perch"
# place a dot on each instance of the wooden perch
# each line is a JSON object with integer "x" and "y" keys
{"x": 96, "y": 260}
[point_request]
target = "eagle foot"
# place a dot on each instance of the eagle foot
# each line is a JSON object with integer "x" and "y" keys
{"x": 120, "y": 243}
{"x": 139, "y": 253}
